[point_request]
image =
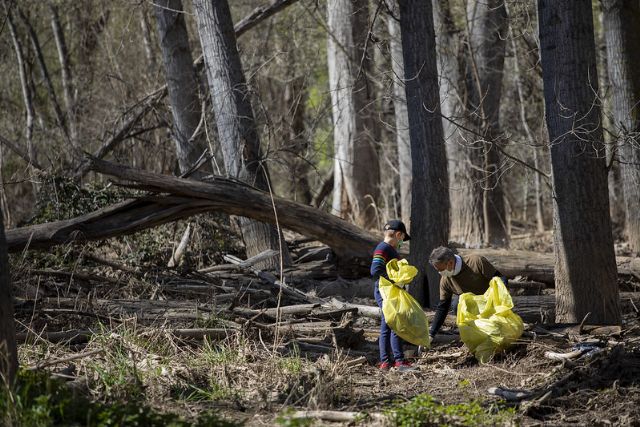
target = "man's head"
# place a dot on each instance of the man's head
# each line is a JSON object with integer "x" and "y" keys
{"x": 443, "y": 259}
{"x": 395, "y": 232}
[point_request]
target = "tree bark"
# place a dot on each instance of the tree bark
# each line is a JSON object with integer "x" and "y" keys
{"x": 487, "y": 25}
{"x": 621, "y": 22}
{"x": 46, "y": 77}
{"x": 430, "y": 193}
{"x": 27, "y": 96}
{"x": 401, "y": 117}
{"x": 182, "y": 82}
{"x": 65, "y": 72}
{"x": 234, "y": 118}
{"x": 295, "y": 98}
{"x": 356, "y": 172}
{"x": 8, "y": 349}
{"x": 465, "y": 162}
{"x": 586, "y": 279}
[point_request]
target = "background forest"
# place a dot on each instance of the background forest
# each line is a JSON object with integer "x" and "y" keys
{"x": 490, "y": 124}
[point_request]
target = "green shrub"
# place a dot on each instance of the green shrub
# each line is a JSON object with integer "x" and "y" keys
{"x": 423, "y": 410}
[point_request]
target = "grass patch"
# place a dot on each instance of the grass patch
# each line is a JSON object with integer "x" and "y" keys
{"x": 424, "y": 410}
{"x": 37, "y": 400}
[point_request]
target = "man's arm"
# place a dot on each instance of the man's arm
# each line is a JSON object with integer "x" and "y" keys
{"x": 441, "y": 315}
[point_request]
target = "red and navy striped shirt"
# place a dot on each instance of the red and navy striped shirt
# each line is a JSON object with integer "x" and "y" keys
{"x": 382, "y": 254}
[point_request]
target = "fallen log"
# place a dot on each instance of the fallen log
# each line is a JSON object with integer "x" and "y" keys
{"x": 338, "y": 416}
{"x": 352, "y": 245}
{"x": 300, "y": 309}
{"x": 363, "y": 310}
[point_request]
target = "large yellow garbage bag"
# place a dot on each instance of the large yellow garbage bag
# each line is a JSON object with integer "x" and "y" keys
{"x": 401, "y": 311}
{"x": 486, "y": 322}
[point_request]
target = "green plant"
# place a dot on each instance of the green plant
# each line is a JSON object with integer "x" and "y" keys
{"x": 291, "y": 364}
{"x": 209, "y": 392}
{"x": 424, "y": 410}
{"x": 218, "y": 355}
{"x": 38, "y": 400}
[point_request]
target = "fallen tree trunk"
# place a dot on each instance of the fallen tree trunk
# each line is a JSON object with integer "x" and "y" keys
{"x": 352, "y": 245}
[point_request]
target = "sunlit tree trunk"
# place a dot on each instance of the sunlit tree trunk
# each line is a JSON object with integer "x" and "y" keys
{"x": 622, "y": 32}
{"x": 356, "y": 173}
{"x": 234, "y": 118}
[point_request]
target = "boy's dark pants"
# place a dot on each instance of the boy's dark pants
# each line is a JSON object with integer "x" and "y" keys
{"x": 388, "y": 342}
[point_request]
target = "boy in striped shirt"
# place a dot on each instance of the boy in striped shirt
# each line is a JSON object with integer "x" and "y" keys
{"x": 390, "y": 344}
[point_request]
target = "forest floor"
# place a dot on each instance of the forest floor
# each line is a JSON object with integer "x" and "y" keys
{"x": 143, "y": 344}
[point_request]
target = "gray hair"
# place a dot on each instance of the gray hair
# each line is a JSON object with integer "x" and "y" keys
{"x": 441, "y": 254}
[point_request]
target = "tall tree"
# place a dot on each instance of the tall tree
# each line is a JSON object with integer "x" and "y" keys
{"x": 402, "y": 121}
{"x": 356, "y": 175}
{"x": 585, "y": 270}
{"x": 182, "y": 81}
{"x": 487, "y": 26}
{"x": 65, "y": 73}
{"x": 621, "y": 24}
{"x": 430, "y": 193}
{"x": 237, "y": 131}
{"x": 8, "y": 349}
{"x": 465, "y": 155}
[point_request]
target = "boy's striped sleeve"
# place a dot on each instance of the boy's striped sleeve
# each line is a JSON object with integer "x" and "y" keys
{"x": 379, "y": 263}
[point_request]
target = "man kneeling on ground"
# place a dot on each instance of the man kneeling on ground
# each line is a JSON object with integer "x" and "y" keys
{"x": 460, "y": 274}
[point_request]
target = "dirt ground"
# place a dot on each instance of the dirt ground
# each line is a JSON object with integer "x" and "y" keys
{"x": 257, "y": 375}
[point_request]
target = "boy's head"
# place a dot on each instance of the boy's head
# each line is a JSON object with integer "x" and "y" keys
{"x": 395, "y": 231}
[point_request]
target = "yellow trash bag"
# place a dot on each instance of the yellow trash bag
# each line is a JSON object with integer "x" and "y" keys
{"x": 401, "y": 311}
{"x": 486, "y": 322}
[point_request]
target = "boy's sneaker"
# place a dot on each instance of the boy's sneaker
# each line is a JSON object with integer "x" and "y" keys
{"x": 384, "y": 365}
{"x": 404, "y": 366}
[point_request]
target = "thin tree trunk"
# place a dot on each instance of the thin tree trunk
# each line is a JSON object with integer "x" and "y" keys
{"x": 295, "y": 98}
{"x": 586, "y": 278}
{"x": 146, "y": 39}
{"x": 66, "y": 76}
{"x": 538, "y": 189}
{"x": 235, "y": 121}
{"x": 621, "y": 23}
{"x": 401, "y": 117}
{"x": 529, "y": 134}
{"x": 24, "y": 84}
{"x": 8, "y": 349}
{"x": 46, "y": 77}
{"x": 356, "y": 172}
{"x": 430, "y": 195}
{"x": 464, "y": 156}
{"x": 182, "y": 82}
{"x": 487, "y": 24}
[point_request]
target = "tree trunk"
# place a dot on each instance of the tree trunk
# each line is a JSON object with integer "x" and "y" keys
{"x": 66, "y": 76}
{"x": 529, "y": 134}
{"x": 430, "y": 193}
{"x": 401, "y": 118}
{"x": 27, "y": 96}
{"x": 586, "y": 279}
{"x": 295, "y": 98}
{"x": 46, "y": 77}
{"x": 464, "y": 158}
{"x": 146, "y": 39}
{"x": 621, "y": 23}
{"x": 235, "y": 121}
{"x": 8, "y": 349}
{"x": 487, "y": 25}
{"x": 356, "y": 172}
{"x": 182, "y": 82}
